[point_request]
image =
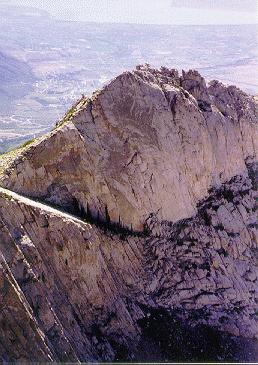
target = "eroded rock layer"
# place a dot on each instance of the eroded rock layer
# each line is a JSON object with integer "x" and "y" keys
{"x": 150, "y": 251}
{"x": 146, "y": 136}
{"x": 83, "y": 292}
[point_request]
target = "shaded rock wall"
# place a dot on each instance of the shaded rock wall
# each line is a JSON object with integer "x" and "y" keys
{"x": 146, "y": 136}
{"x": 90, "y": 296}
{"x": 154, "y": 181}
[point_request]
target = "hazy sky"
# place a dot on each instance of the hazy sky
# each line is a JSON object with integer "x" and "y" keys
{"x": 150, "y": 11}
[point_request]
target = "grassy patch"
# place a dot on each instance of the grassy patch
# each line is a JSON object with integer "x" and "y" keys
{"x": 27, "y": 143}
{"x": 6, "y": 196}
{"x": 71, "y": 112}
{"x": 8, "y": 157}
{"x": 66, "y": 118}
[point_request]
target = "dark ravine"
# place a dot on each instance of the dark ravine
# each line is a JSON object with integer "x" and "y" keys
{"x": 142, "y": 283}
{"x": 167, "y": 338}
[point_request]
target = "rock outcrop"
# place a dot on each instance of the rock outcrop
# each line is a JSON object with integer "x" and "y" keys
{"x": 139, "y": 140}
{"x": 151, "y": 240}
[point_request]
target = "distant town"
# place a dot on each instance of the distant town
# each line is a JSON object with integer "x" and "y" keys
{"x": 46, "y": 64}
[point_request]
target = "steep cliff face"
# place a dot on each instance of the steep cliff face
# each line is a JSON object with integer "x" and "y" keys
{"x": 85, "y": 293}
{"x": 146, "y": 136}
{"x": 152, "y": 243}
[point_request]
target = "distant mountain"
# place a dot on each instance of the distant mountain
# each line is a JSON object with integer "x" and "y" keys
{"x": 14, "y": 70}
{"x": 12, "y": 11}
{"x": 47, "y": 63}
{"x": 16, "y": 78}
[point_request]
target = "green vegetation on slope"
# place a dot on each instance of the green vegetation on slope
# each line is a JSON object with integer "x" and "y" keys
{"x": 7, "y": 158}
{"x": 71, "y": 112}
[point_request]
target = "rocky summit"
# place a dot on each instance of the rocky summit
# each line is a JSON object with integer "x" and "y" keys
{"x": 129, "y": 232}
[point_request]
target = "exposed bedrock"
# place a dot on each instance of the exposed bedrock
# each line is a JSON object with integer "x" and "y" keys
{"x": 130, "y": 231}
{"x": 146, "y": 138}
{"x": 89, "y": 292}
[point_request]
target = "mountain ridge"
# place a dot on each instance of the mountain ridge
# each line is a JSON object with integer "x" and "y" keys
{"x": 216, "y": 137}
{"x": 88, "y": 273}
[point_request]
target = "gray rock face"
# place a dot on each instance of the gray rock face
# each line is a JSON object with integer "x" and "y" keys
{"x": 146, "y": 136}
{"x": 161, "y": 250}
{"x": 90, "y": 296}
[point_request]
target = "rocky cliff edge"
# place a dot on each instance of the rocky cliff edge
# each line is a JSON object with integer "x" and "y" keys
{"x": 130, "y": 231}
{"x": 148, "y": 137}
